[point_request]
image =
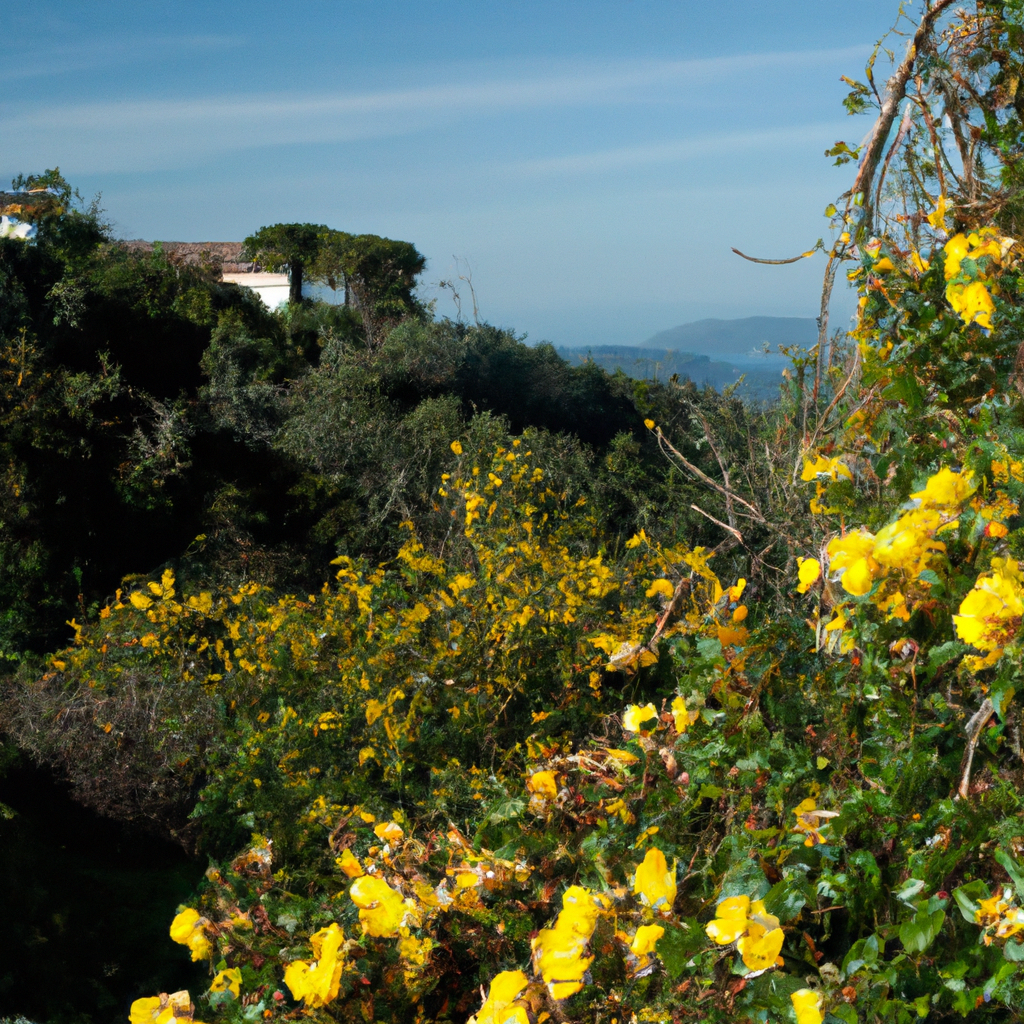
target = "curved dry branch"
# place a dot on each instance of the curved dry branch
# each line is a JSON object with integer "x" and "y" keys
{"x": 792, "y": 259}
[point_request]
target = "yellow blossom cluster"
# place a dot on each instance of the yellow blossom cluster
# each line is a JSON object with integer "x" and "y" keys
{"x": 175, "y": 1008}
{"x": 822, "y": 471}
{"x": 559, "y": 952}
{"x": 317, "y": 982}
{"x": 188, "y": 928}
{"x": 990, "y": 615}
{"x": 999, "y": 917}
{"x": 757, "y": 934}
{"x": 969, "y": 290}
{"x": 889, "y": 565}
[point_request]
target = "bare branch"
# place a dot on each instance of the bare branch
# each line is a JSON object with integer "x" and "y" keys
{"x": 896, "y": 91}
{"x": 792, "y": 259}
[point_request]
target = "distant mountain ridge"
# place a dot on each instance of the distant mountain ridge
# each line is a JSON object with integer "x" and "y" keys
{"x": 739, "y": 341}
{"x": 715, "y": 352}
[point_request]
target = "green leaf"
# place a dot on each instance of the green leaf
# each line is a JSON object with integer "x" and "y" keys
{"x": 919, "y": 933}
{"x": 966, "y": 897}
{"x": 709, "y": 792}
{"x": 911, "y": 888}
{"x": 506, "y": 808}
{"x": 1013, "y": 950}
{"x": 1012, "y": 868}
{"x": 846, "y": 1013}
{"x": 787, "y": 898}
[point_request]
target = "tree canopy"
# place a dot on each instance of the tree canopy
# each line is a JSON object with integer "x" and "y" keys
{"x": 292, "y": 247}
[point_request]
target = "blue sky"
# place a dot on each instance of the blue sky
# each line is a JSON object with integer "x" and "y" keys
{"x": 594, "y": 162}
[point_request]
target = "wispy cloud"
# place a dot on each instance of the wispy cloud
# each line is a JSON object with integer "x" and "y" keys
{"x": 58, "y": 60}
{"x": 145, "y": 133}
{"x": 628, "y": 157}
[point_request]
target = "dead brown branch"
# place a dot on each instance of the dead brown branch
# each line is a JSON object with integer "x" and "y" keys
{"x": 792, "y": 259}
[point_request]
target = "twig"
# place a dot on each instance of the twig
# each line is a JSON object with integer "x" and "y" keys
{"x": 823, "y": 419}
{"x": 756, "y": 514}
{"x": 718, "y": 522}
{"x": 682, "y": 587}
{"x": 900, "y": 136}
{"x": 776, "y": 263}
{"x": 973, "y": 729}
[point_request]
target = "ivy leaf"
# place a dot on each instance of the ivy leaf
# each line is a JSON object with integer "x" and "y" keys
{"x": 505, "y": 808}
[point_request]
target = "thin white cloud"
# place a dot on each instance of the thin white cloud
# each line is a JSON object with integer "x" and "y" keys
{"x": 148, "y": 133}
{"x": 628, "y": 157}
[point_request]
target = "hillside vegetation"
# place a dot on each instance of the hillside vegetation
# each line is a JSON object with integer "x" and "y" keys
{"x": 501, "y": 690}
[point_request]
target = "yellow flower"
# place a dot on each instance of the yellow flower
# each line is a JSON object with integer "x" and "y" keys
{"x": 349, "y": 863}
{"x": 150, "y": 1011}
{"x": 649, "y": 424}
{"x": 543, "y": 788}
{"x": 852, "y": 556}
{"x": 947, "y": 488}
{"x": 635, "y": 716}
{"x": 456, "y": 447}
{"x": 661, "y": 587}
{"x": 543, "y": 783}
{"x": 683, "y": 718}
{"x": 760, "y": 945}
{"x": 858, "y": 579}
{"x": 188, "y": 930}
{"x": 654, "y": 882}
{"x": 833, "y": 468}
{"x": 909, "y": 543}
{"x": 808, "y": 573}
{"x": 162, "y": 1009}
{"x": 956, "y": 250}
{"x": 499, "y": 1007}
{"x": 991, "y": 613}
{"x": 973, "y": 303}
{"x": 730, "y": 920}
{"x": 389, "y": 831}
{"x": 559, "y": 951}
{"x": 227, "y": 981}
{"x": 937, "y": 219}
{"x": 807, "y": 821}
{"x": 381, "y": 909}
{"x": 807, "y": 1005}
{"x": 646, "y": 938}
{"x": 317, "y": 983}
{"x": 756, "y": 933}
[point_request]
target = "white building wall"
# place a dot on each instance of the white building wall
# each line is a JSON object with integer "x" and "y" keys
{"x": 271, "y": 288}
